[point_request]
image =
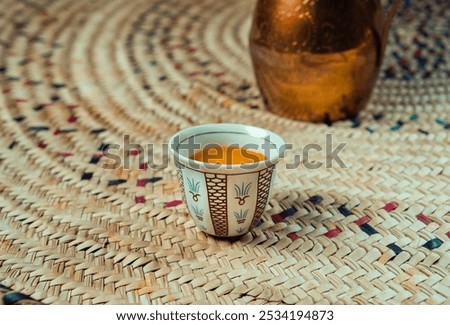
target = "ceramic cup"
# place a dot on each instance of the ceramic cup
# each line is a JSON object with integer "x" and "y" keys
{"x": 225, "y": 200}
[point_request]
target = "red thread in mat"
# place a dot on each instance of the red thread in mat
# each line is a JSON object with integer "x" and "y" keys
{"x": 363, "y": 220}
{"x": 72, "y": 119}
{"x": 277, "y": 218}
{"x": 424, "y": 218}
{"x": 141, "y": 182}
{"x": 139, "y": 199}
{"x": 391, "y": 206}
{"x": 333, "y": 233}
{"x": 133, "y": 152}
{"x": 173, "y": 203}
{"x": 293, "y": 236}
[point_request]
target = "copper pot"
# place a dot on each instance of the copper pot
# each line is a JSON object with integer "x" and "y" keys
{"x": 318, "y": 60}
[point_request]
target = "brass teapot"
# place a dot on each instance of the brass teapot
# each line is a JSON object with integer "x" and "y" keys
{"x": 318, "y": 60}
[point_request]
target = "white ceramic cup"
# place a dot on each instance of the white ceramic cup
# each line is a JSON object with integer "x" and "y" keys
{"x": 225, "y": 200}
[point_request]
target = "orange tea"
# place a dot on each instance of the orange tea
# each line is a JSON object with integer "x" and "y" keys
{"x": 230, "y": 155}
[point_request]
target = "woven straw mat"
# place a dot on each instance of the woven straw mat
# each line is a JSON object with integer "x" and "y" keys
{"x": 77, "y": 76}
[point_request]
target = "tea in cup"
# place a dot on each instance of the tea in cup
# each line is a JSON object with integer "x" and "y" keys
{"x": 226, "y": 173}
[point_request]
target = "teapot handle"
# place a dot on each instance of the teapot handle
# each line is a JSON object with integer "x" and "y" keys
{"x": 387, "y": 23}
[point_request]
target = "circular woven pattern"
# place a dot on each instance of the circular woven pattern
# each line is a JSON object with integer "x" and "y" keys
{"x": 76, "y": 77}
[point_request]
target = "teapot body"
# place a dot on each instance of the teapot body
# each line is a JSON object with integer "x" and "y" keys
{"x": 316, "y": 60}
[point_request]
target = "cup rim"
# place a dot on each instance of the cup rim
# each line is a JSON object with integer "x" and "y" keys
{"x": 245, "y": 129}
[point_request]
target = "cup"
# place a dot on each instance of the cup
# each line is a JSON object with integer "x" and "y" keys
{"x": 225, "y": 200}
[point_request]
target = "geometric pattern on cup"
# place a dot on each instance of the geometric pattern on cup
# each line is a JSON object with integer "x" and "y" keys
{"x": 264, "y": 180}
{"x": 181, "y": 182}
{"x": 217, "y": 198}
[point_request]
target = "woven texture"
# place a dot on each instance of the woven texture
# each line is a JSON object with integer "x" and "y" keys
{"x": 76, "y": 76}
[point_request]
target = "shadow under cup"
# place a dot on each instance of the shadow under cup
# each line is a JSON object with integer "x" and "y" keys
{"x": 225, "y": 200}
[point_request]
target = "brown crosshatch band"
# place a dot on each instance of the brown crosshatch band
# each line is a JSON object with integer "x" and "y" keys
{"x": 264, "y": 180}
{"x": 217, "y": 197}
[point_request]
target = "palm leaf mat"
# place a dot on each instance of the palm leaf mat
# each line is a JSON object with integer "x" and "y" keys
{"x": 76, "y": 76}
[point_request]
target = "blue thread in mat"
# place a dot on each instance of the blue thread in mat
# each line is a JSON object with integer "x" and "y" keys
{"x": 433, "y": 243}
{"x": 422, "y": 63}
{"x": 397, "y": 250}
{"x": 152, "y": 180}
{"x": 407, "y": 76}
{"x": 414, "y": 117}
{"x": 38, "y": 128}
{"x": 98, "y": 131}
{"x": 440, "y": 122}
{"x": 57, "y": 85}
{"x": 12, "y": 298}
{"x": 396, "y": 55}
{"x": 66, "y": 131}
{"x": 389, "y": 73}
{"x": 378, "y": 116}
{"x": 443, "y": 123}
{"x": 315, "y": 199}
{"x": 13, "y": 78}
{"x": 95, "y": 159}
{"x": 24, "y": 61}
{"x": 440, "y": 44}
{"x": 86, "y": 176}
{"x": 19, "y": 118}
{"x": 288, "y": 212}
{"x": 103, "y": 147}
{"x": 12, "y": 145}
{"x": 356, "y": 122}
{"x": 439, "y": 61}
{"x": 344, "y": 211}
{"x": 115, "y": 182}
{"x": 368, "y": 229}
{"x": 38, "y": 108}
